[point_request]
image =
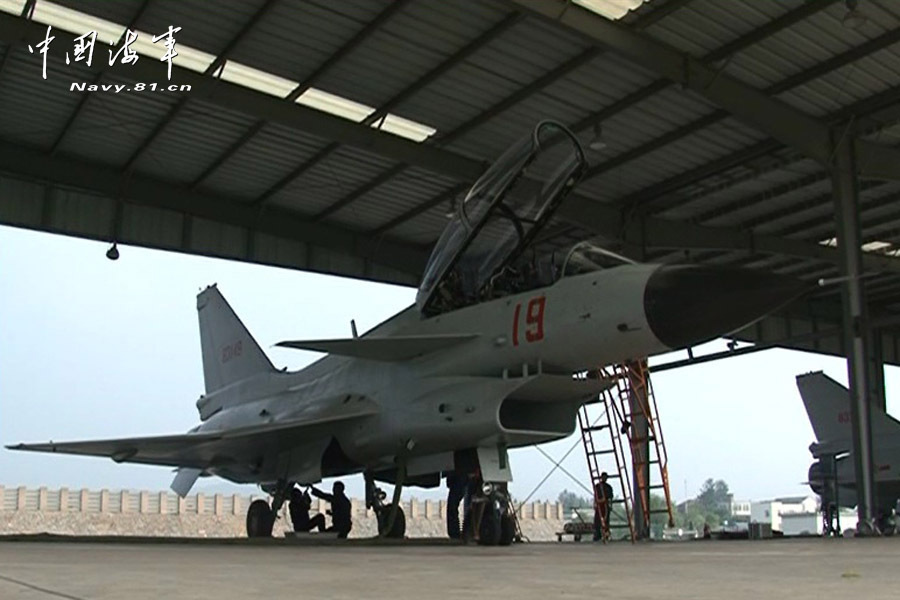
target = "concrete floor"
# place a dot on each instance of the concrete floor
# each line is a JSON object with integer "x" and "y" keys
{"x": 811, "y": 568}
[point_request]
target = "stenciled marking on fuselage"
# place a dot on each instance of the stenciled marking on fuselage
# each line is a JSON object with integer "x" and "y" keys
{"x": 232, "y": 350}
{"x": 534, "y": 320}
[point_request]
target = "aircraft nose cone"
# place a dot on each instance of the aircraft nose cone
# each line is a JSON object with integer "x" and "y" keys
{"x": 689, "y": 304}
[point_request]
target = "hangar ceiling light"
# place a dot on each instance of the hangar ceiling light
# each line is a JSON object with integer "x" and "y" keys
{"x": 611, "y": 9}
{"x": 874, "y": 247}
{"x": 79, "y": 23}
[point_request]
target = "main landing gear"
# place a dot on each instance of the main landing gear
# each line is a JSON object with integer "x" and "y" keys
{"x": 261, "y": 517}
{"x": 490, "y": 519}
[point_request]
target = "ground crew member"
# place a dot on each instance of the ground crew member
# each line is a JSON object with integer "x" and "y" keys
{"x": 341, "y": 520}
{"x": 299, "y": 509}
{"x": 603, "y": 495}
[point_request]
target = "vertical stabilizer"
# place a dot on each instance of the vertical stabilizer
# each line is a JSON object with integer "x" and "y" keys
{"x": 828, "y": 406}
{"x": 230, "y": 353}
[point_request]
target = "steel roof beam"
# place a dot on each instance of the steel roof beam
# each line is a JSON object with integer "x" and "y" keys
{"x": 779, "y": 87}
{"x": 451, "y": 62}
{"x": 723, "y": 52}
{"x": 215, "y": 66}
{"x": 352, "y": 44}
{"x": 787, "y": 125}
{"x": 349, "y": 46}
{"x": 803, "y": 232}
{"x": 557, "y": 73}
{"x": 869, "y": 116}
{"x": 585, "y": 212}
{"x": 27, "y": 9}
{"x": 265, "y": 107}
{"x": 359, "y": 192}
{"x": 858, "y": 110}
{"x": 148, "y": 191}
{"x": 67, "y": 127}
{"x": 653, "y": 232}
{"x": 417, "y": 210}
{"x": 295, "y": 173}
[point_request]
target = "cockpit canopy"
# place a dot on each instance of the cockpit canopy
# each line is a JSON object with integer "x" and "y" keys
{"x": 480, "y": 254}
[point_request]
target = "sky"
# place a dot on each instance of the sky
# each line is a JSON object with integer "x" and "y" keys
{"x": 94, "y": 348}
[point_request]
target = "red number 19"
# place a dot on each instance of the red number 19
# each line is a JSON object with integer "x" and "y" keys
{"x": 534, "y": 321}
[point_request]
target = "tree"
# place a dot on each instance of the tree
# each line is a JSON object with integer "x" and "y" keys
{"x": 715, "y": 498}
{"x": 658, "y": 520}
{"x": 571, "y": 500}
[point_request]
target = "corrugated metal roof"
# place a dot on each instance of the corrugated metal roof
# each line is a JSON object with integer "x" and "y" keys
{"x": 685, "y": 177}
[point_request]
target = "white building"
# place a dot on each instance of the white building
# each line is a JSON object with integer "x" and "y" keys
{"x": 812, "y": 524}
{"x": 772, "y": 511}
{"x": 741, "y": 509}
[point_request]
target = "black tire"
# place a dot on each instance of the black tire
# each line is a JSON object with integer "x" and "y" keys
{"x": 885, "y": 525}
{"x": 260, "y": 519}
{"x": 507, "y": 530}
{"x": 398, "y": 531}
{"x": 490, "y": 526}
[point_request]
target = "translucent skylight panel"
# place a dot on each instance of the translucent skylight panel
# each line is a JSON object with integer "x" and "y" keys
{"x": 334, "y": 104}
{"x": 77, "y": 22}
{"x": 406, "y": 128}
{"x": 611, "y": 9}
{"x": 14, "y": 7}
{"x": 258, "y": 80}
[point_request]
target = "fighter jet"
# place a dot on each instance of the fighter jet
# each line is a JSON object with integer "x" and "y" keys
{"x": 833, "y": 475}
{"x": 498, "y": 352}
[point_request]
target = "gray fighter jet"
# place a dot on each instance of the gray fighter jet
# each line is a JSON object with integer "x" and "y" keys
{"x": 493, "y": 355}
{"x": 833, "y": 475}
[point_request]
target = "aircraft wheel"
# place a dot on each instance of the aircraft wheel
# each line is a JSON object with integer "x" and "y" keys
{"x": 399, "y": 528}
{"x": 885, "y": 525}
{"x": 260, "y": 519}
{"x": 507, "y": 530}
{"x": 491, "y": 527}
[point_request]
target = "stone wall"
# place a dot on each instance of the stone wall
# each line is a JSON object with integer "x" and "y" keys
{"x": 143, "y": 513}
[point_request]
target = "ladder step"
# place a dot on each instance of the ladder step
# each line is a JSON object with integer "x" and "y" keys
{"x": 595, "y": 428}
{"x": 596, "y": 452}
{"x": 641, "y": 440}
{"x": 658, "y": 511}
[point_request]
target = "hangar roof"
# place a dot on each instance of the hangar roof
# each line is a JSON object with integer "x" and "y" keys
{"x": 336, "y": 136}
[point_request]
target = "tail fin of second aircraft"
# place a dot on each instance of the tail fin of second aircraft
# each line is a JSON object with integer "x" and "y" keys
{"x": 828, "y": 406}
{"x": 230, "y": 353}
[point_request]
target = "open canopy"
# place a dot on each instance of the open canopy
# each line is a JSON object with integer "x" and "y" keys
{"x": 477, "y": 256}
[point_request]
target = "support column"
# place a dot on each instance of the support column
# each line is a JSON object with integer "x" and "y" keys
{"x": 876, "y": 369}
{"x": 845, "y": 188}
{"x": 640, "y": 450}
